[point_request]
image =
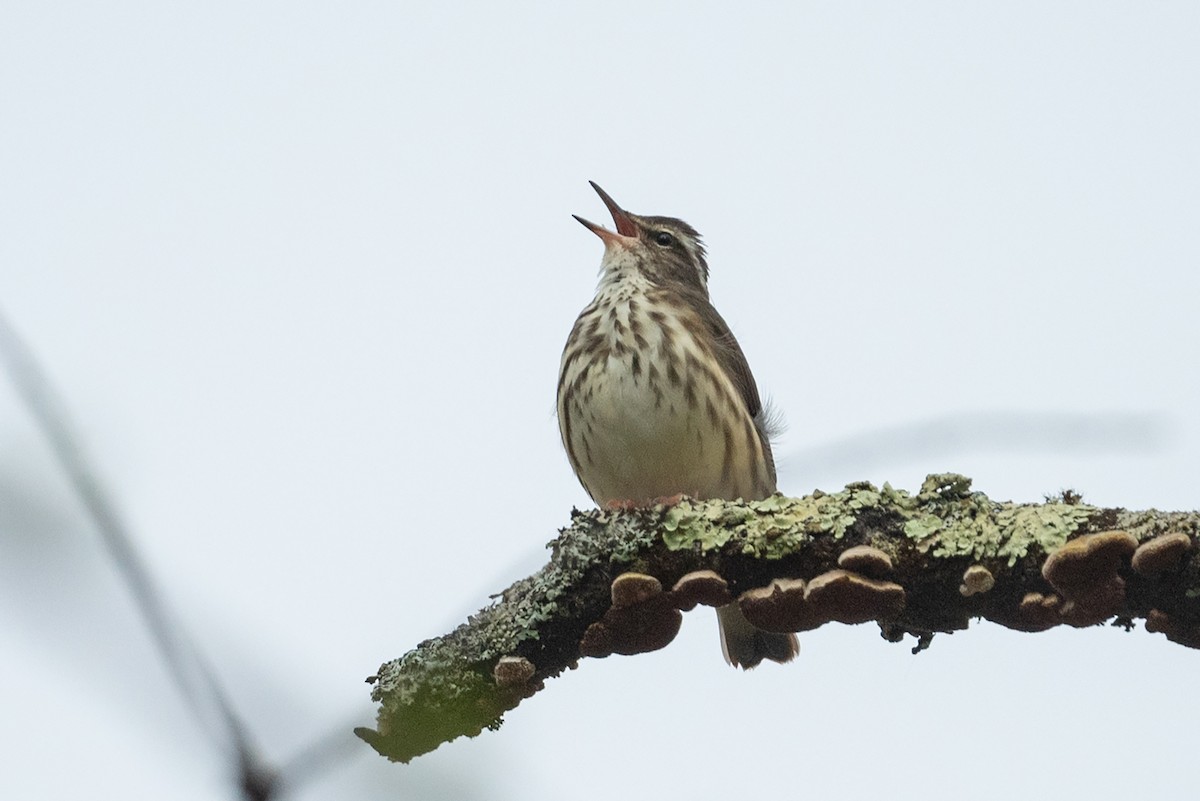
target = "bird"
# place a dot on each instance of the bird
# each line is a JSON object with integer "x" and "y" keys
{"x": 656, "y": 398}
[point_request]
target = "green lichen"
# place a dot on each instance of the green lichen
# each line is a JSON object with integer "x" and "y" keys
{"x": 1146, "y": 525}
{"x": 1046, "y": 527}
{"x": 768, "y": 529}
{"x": 700, "y": 525}
{"x": 922, "y": 529}
{"x": 418, "y": 714}
{"x": 947, "y": 519}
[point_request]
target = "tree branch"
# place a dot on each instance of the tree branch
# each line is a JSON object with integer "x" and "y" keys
{"x": 917, "y": 564}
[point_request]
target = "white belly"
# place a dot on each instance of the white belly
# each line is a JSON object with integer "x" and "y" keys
{"x": 636, "y": 432}
{"x": 643, "y": 445}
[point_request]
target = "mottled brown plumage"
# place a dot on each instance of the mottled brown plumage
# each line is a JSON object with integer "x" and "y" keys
{"x": 656, "y": 398}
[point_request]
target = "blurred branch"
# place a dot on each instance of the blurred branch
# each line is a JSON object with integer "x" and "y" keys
{"x": 256, "y": 778}
{"x": 195, "y": 678}
{"x": 916, "y": 564}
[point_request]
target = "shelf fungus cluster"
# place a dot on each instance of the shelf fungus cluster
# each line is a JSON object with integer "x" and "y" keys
{"x": 645, "y": 617}
{"x": 1084, "y": 571}
{"x": 837, "y": 595}
{"x": 1084, "y": 575}
{"x": 1153, "y": 558}
{"x": 1162, "y": 554}
{"x": 1088, "y": 588}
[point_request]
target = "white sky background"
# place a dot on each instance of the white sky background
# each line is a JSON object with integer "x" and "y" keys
{"x": 304, "y": 275}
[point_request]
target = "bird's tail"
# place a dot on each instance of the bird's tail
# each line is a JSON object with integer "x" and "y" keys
{"x": 745, "y": 646}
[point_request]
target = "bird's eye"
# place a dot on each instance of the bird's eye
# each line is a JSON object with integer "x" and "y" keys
{"x": 663, "y": 239}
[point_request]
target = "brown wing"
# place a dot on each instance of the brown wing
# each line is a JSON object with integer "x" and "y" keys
{"x": 734, "y": 364}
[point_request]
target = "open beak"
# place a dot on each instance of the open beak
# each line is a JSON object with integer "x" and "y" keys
{"x": 621, "y": 219}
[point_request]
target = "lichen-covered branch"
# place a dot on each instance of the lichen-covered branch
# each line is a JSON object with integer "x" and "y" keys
{"x": 919, "y": 564}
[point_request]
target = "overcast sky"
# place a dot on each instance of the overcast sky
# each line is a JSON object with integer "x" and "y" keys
{"x": 303, "y": 273}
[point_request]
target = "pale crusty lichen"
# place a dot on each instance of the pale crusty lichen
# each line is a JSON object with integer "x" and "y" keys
{"x": 772, "y": 528}
{"x": 1147, "y": 525}
{"x": 947, "y": 520}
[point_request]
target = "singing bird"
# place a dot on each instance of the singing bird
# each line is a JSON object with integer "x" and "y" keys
{"x": 655, "y": 397}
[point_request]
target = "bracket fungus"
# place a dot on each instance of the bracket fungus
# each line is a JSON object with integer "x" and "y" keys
{"x": 642, "y": 618}
{"x": 779, "y": 607}
{"x": 1160, "y": 622}
{"x": 513, "y": 671}
{"x": 1038, "y": 612}
{"x": 1161, "y": 554}
{"x": 866, "y": 560}
{"x": 976, "y": 579}
{"x": 850, "y": 598}
{"x": 700, "y": 587}
{"x": 1087, "y": 563}
{"x": 834, "y": 596}
{"x": 1097, "y": 606}
{"x": 1085, "y": 572}
{"x": 629, "y": 589}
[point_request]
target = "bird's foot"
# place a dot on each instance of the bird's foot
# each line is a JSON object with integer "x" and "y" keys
{"x": 621, "y": 505}
{"x": 618, "y": 505}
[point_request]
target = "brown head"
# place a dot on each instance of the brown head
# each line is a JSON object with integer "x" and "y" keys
{"x": 663, "y": 250}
